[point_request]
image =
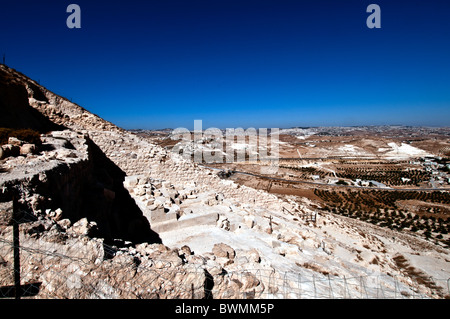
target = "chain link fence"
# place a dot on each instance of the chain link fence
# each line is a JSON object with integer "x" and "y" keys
{"x": 35, "y": 266}
{"x": 288, "y": 285}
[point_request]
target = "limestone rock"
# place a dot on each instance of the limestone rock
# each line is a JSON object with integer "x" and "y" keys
{"x": 223, "y": 223}
{"x": 6, "y": 213}
{"x": 83, "y": 227}
{"x": 64, "y": 223}
{"x": 10, "y": 150}
{"x": 139, "y": 191}
{"x": 186, "y": 250}
{"x": 249, "y": 280}
{"x": 253, "y": 256}
{"x": 131, "y": 181}
{"x": 26, "y": 149}
{"x": 223, "y": 250}
{"x": 249, "y": 221}
{"x": 224, "y": 261}
{"x": 310, "y": 243}
{"x": 15, "y": 141}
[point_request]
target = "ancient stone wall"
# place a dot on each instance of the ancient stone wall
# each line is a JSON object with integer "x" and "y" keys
{"x": 137, "y": 156}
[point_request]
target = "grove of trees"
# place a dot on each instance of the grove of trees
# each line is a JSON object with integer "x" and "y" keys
{"x": 381, "y": 208}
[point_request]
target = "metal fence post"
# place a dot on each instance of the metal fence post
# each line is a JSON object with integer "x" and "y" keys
{"x": 299, "y": 281}
{"x": 381, "y": 288}
{"x": 270, "y": 282}
{"x": 363, "y": 288}
{"x": 314, "y": 284}
{"x": 331, "y": 289}
{"x": 448, "y": 285}
{"x": 395, "y": 285}
{"x": 16, "y": 244}
{"x": 347, "y": 288}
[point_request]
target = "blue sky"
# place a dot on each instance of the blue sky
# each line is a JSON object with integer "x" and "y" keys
{"x": 156, "y": 64}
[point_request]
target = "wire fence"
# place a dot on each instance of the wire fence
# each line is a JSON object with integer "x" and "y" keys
{"x": 33, "y": 265}
{"x": 51, "y": 274}
{"x": 66, "y": 276}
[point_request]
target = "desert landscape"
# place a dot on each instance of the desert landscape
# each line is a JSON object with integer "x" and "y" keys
{"x": 103, "y": 212}
{"x": 396, "y": 177}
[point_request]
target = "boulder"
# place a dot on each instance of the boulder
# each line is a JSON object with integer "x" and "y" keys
{"x": 223, "y": 223}
{"x": 139, "y": 191}
{"x": 309, "y": 243}
{"x": 186, "y": 250}
{"x": 144, "y": 180}
{"x": 83, "y": 227}
{"x": 146, "y": 249}
{"x": 10, "y": 150}
{"x": 130, "y": 181}
{"x": 15, "y": 141}
{"x": 253, "y": 256}
{"x": 172, "y": 194}
{"x": 249, "y": 221}
{"x": 64, "y": 223}
{"x": 175, "y": 209}
{"x": 249, "y": 280}
{"x": 58, "y": 214}
{"x": 26, "y": 149}
{"x": 6, "y": 213}
{"x": 159, "y": 216}
{"x": 224, "y": 251}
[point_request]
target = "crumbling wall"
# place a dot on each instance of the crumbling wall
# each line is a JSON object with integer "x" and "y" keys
{"x": 81, "y": 182}
{"x": 136, "y": 156}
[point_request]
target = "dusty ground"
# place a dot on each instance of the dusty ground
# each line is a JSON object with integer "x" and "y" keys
{"x": 334, "y": 158}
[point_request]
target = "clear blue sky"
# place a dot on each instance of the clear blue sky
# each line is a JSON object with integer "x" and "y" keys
{"x": 238, "y": 63}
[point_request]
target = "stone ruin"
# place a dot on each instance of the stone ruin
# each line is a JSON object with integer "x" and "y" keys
{"x": 110, "y": 215}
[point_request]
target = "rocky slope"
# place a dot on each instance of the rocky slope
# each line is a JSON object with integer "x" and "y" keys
{"x": 107, "y": 214}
